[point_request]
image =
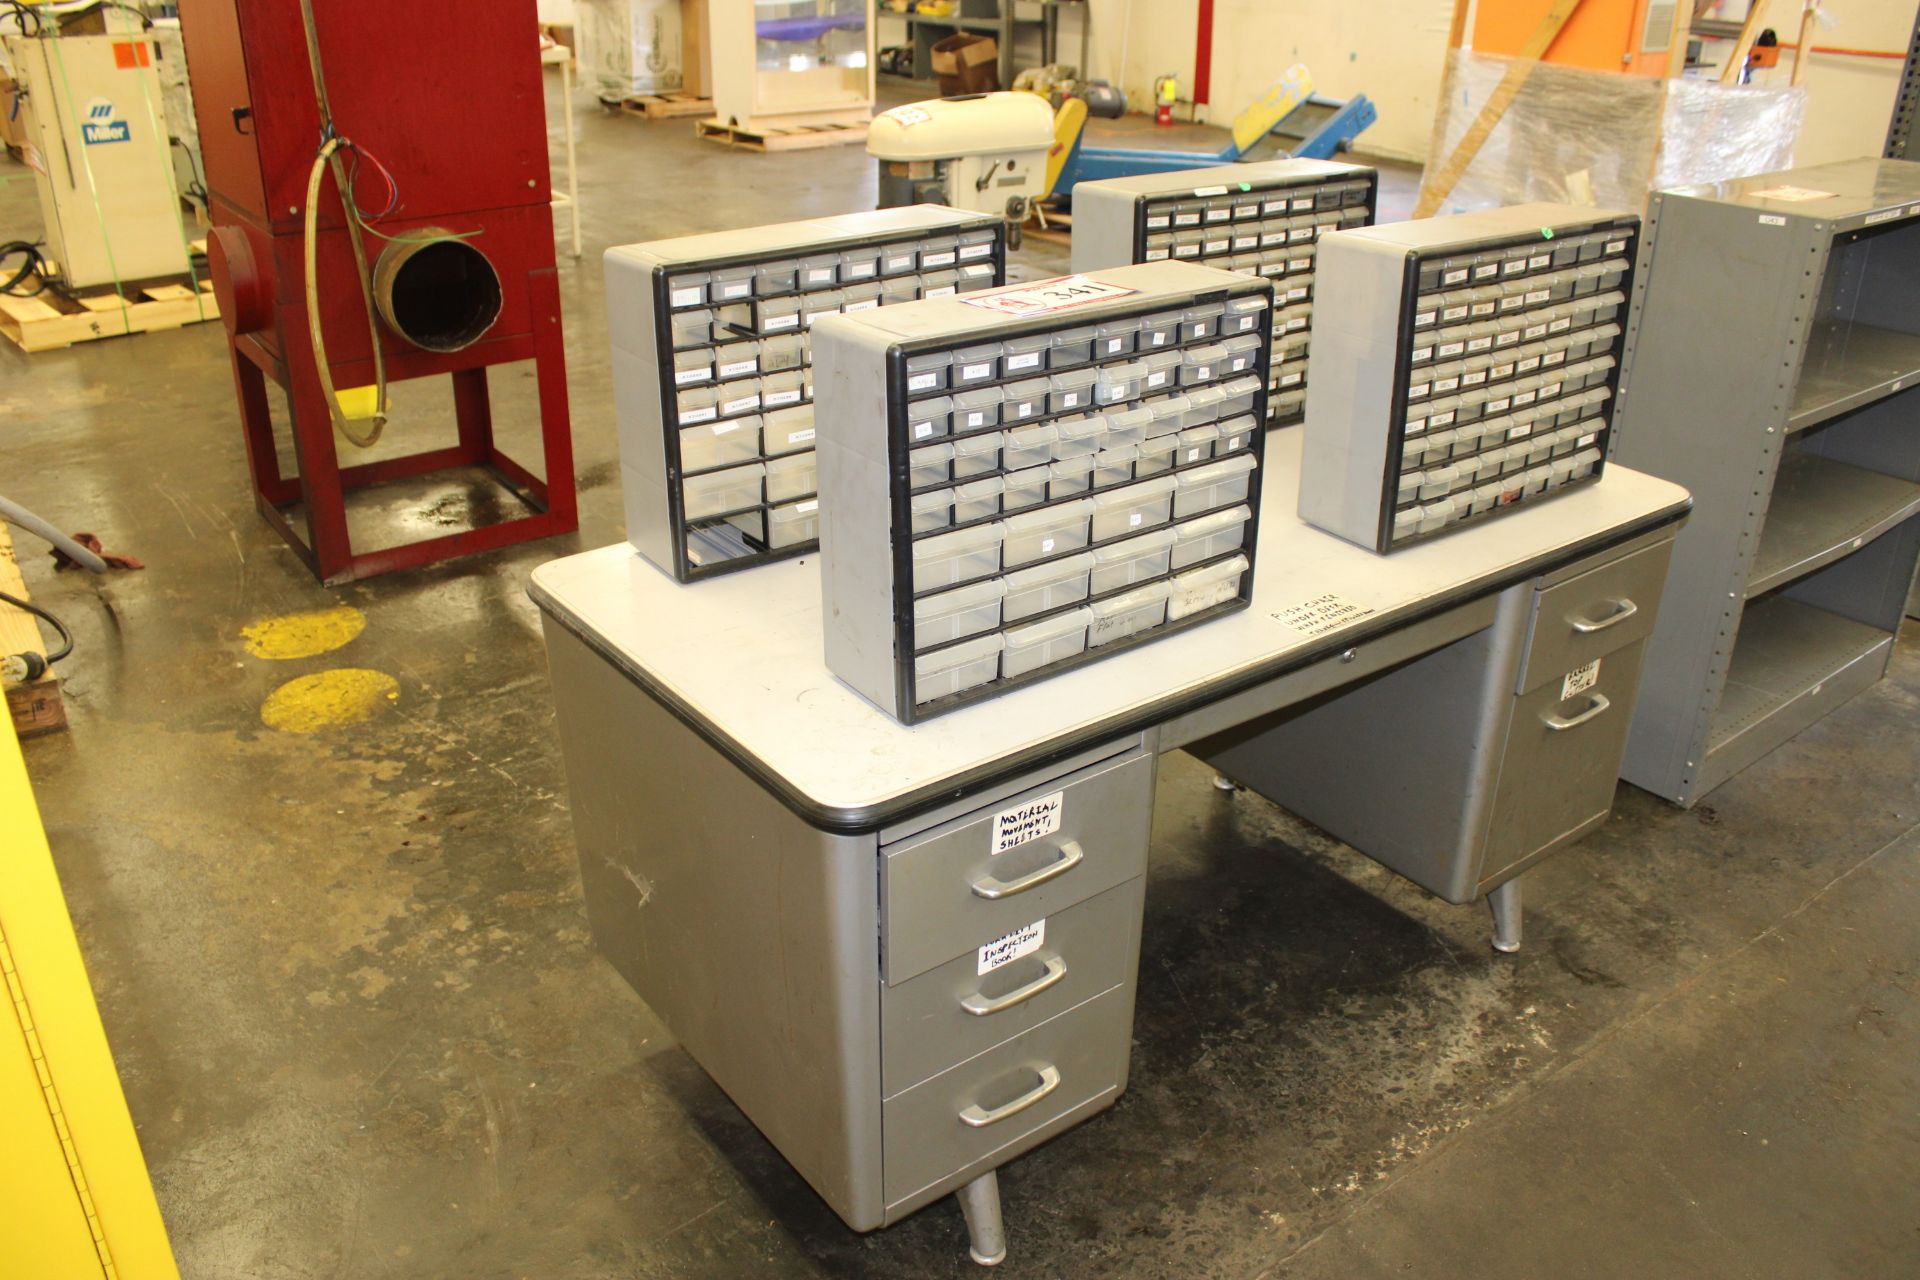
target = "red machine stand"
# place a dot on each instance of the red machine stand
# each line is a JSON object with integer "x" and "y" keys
{"x": 472, "y": 163}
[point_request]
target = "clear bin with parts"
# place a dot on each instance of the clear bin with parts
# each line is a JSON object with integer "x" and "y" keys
{"x": 1140, "y": 505}
{"x": 1043, "y": 643}
{"x": 719, "y": 444}
{"x": 1046, "y": 587}
{"x": 957, "y": 668}
{"x": 1131, "y": 560}
{"x": 1217, "y": 484}
{"x": 1205, "y": 587}
{"x": 1117, "y": 617}
{"x": 1209, "y": 536}
{"x": 793, "y": 524}
{"x": 785, "y": 430}
{"x": 957, "y": 614}
{"x": 1050, "y": 531}
{"x": 718, "y": 492}
{"x": 948, "y": 558}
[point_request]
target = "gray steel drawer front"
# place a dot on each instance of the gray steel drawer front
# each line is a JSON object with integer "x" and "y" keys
{"x": 951, "y": 1013}
{"x": 1562, "y": 761}
{"x": 1599, "y": 612}
{"x": 993, "y": 1101}
{"x": 946, "y": 892}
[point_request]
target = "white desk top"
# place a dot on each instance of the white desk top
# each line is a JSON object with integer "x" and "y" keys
{"x": 740, "y": 656}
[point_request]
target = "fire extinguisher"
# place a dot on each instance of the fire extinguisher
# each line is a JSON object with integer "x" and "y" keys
{"x": 1166, "y": 92}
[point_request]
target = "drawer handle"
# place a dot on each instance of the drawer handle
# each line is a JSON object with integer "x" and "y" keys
{"x": 979, "y": 1006}
{"x": 975, "y": 1118}
{"x": 1560, "y": 724}
{"x": 1622, "y": 610}
{"x": 992, "y": 888}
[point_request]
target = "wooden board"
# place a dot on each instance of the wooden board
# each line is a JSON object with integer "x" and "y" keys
{"x": 799, "y": 138}
{"x": 665, "y": 106}
{"x": 35, "y": 707}
{"x": 50, "y": 321}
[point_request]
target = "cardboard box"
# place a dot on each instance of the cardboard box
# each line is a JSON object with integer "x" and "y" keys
{"x": 696, "y": 69}
{"x": 966, "y": 63}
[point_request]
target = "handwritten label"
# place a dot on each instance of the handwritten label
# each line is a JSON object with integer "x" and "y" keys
{"x": 1023, "y": 941}
{"x": 1028, "y": 821}
{"x": 1048, "y": 296}
{"x": 1580, "y": 680}
{"x": 1320, "y": 615}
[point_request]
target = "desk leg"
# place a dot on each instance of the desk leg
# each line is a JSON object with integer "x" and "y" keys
{"x": 1505, "y": 902}
{"x": 986, "y": 1233}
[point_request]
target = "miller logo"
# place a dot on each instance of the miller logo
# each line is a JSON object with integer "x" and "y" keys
{"x": 100, "y": 126}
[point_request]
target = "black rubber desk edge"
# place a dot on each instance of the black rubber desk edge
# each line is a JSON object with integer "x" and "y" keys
{"x": 872, "y": 818}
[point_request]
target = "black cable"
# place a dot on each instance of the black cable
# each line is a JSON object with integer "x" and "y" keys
{"x": 11, "y": 284}
{"x": 20, "y": 13}
{"x": 66, "y": 636}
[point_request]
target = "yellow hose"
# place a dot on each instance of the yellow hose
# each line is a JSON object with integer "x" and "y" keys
{"x": 329, "y": 158}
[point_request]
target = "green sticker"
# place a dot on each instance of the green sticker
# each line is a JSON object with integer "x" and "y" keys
{"x": 1547, "y": 232}
{"x": 1246, "y": 186}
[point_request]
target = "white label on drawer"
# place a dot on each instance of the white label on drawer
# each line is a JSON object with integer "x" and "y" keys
{"x": 1451, "y": 349}
{"x": 1539, "y": 260}
{"x": 1046, "y": 546}
{"x": 1772, "y": 220}
{"x": 1289, "y": 379}
{"x": 1586, "y": 440}
{"x": 1537, "y": 296}
{"x": 1024, "y": 360}
{"x": 800, "y": 437}
{"x": 1187, "y": 218}
{"x": 1048, "y": 296}
{"x": 1156, "y": 255}
{"x": 1320, "y": 615}
{"x": 976, "y": 372}
{"x": 773, "y": 324}
{"x": 1302, "y": 203}
{"x": 690, "y": 416}
{"x": 1554, "y": 357}
{"x": 1037, "y": 817}
{"x": 1486, "y": 270}
{"x": 773, "y": 399}
{"x": 1576, "y": 681}
{"x": 1450, "y": 314}
{"x": 681, "y": 377}
{"x": 1457, "y": 276}
{"x": 808, "y": 507}
{"x": 1483, "y": 308}
{"x": 734, "y": 368}
{"x": 922, "y": 381}
{"x": 944, "y": 291}
{"x": 1482, "y": 343}
{"x": 1561, "y": 325}
{"x": 687, "y": 297}
{"x": 932, "y": 259}
{"x": 740, "y": 405}
{"x": 1023, "y": 941}
{"x": 968, "y": 252}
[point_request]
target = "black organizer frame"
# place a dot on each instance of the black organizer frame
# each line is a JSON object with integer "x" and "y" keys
{"x": 679, "y": 526}
{"x": 900, "y": 516}
{"x": 1371, "y": 205}
{"x": 1406, "y": 337}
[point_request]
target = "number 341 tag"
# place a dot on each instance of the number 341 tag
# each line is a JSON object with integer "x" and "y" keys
{"x": 1048, "y": 295}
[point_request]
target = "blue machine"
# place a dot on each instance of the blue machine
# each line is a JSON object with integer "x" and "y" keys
{"x": 1318, "y": 129}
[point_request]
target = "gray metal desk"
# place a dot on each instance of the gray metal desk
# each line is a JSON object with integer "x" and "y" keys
{"x": 808, "y": 894}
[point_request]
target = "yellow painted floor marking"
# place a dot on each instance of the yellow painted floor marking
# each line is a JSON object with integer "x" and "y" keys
{"x": 327, "y": 699}
{"x": 302, "y": 635}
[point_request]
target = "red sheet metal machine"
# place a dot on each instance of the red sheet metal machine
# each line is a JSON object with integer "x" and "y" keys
{"x": 431, "y": 115}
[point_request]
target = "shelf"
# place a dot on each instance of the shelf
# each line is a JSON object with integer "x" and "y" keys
{"x": 1823, "y": 511}
{"x": 1848, "y": 366}
{"x": 1792, "y": 665}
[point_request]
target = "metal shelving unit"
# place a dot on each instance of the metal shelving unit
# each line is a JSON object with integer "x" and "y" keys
{"x": 997, "y": 18}
{"x": 1773, "y": 371}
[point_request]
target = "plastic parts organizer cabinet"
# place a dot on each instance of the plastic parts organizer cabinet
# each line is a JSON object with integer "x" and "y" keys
{"x": 1008, "y": 498}
{"x": 712, "y": 373}
{"x": 1773, "y": 372}
{"x": 1461, "y": 366}
{"x": 1261, "y": 219}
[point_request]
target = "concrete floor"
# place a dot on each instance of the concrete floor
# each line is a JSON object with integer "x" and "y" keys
{"x": 347, "y": 976}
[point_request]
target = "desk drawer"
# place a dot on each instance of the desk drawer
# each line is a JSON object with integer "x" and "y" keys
{"x": 945, "y": 891}
{"x": 1599, "y": 612}
{"x": 1007, "y": 1095}
{"x": 1562, "y": 763}
{"x": 953, "y": 1012}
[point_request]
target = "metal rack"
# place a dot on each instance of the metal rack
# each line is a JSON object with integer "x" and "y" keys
{"x": 1263, "y": 219}
{"x": 1115, "y": 501}
{"x": 1772, "y": 372}
{"x": 712, "y": 370}
{"x": 1906, "y": 105}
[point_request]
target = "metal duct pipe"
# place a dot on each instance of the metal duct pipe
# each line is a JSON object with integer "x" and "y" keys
{"x": 436, "y": 290}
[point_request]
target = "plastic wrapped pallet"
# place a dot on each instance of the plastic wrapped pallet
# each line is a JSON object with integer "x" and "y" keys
{"x": 1574, "y": 136}
{"x": 629, "y": 46}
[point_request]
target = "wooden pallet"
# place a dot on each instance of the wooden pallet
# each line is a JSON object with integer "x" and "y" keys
{"x": 35, "y": 707}
{"x": 1058, "y": 230}
{"x": 48, "y": 321}
{"x": 799, "y": 138}
{"x": 664, "y": 106}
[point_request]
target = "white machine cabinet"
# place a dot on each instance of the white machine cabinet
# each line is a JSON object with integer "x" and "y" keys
{"x": 1262, "y": 219}
{"x": 95, "y": 118}
{"x": 986, "y": 153}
